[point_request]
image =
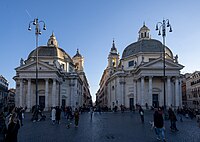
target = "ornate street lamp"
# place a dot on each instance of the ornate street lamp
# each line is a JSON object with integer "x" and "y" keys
{"x": 161, "y": 28}
{"x": 38, "y": 32}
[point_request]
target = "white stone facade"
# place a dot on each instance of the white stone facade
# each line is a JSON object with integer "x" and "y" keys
{"x": 138, "y": 76}
{"x": 59, "y": 83}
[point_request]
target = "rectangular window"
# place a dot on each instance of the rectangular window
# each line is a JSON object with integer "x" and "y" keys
{"x": 131, "y": 63}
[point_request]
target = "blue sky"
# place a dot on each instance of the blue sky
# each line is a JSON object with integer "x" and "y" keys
{"x": 91, "y": 25}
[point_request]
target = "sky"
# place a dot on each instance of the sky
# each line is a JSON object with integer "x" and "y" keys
{"x": 91, "y": 26}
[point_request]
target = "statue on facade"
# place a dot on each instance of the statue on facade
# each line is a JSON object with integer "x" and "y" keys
{"x": 176, "y": 59}
{"x": 21, "y": 62}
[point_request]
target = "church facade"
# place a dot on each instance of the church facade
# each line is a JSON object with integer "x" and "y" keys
{"x": 137, "y": 78}
{"x": 61, "y": 79}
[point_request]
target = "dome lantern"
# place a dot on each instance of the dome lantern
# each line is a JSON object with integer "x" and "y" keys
{"x": 52, "y": 42}
{"x": 144, "y": 32}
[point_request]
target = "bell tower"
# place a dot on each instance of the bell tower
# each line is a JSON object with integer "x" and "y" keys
{"x": 78, "y": 61}
{"x": 113, "y": 57}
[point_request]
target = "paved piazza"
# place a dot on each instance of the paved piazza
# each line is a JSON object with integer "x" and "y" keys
{"x": 107, "y": 127}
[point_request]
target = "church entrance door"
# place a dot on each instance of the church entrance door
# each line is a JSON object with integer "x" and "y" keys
{"x": 155, "y": 101}
{"x": 131, "y": 103}
{"x": 42, "y": 101}
{"x": 63, "y": 103}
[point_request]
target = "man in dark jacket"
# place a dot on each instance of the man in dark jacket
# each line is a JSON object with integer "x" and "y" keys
{"x": 159, "y": 124}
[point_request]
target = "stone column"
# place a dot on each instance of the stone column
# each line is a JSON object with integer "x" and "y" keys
{"x": 20, "y": 92}
{"x": 169, "y": 92}
{"x": 54, "y": 93}
{"x": 142, "y": 91}
{"x": 135, "y": 91}
{"x": 122, "y": 92}
{"x": 29, "y": 95}
{"x": 46, "y": 94}
{"x": 150, "y": 91}
{"x": 71, "y": 98}
{"x": 180, "y": 93}
{"x": 75, "y": 93}
{"x": 177, "y": 92}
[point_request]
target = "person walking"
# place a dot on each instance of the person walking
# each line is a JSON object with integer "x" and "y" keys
{"x": 141, "y": 112}
{"x": 159, "y": 124}
{"x": 13, "y": 127}
{"x": 58, "y": 113}
{"x": 91, "y": 112}
{"x": 76, "y": 117}
{"x": 53, "y": 115}
{"x": 173, "y": 119}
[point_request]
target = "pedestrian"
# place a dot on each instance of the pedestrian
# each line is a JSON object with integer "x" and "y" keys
{"x": 3, "y": 129}
{"x": 91, "y": 112}
{"x": 141, "y": 112}
{"x": 76, "y": 117}
{"x": 68, "y": 121}
{"x": 13, "y": 127}
{"x": 159, "y": 124}
{"x": 20, "y": 116}
{"x": 198, "y": 120}
{"x": 173, "y": 119}
{"x": 53, "y": 115}
{"x": 180, "y": 113}
{"x": 58, "y": 113}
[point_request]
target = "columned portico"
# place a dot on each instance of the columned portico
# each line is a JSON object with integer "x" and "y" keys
{"x": 59, "y": 76}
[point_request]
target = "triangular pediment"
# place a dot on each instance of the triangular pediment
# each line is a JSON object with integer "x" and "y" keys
{"x": 32, "y": 67}
{"x": 158, "y": 63}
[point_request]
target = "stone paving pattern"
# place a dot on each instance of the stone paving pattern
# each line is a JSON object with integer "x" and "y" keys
{"x": 106, "y": 127}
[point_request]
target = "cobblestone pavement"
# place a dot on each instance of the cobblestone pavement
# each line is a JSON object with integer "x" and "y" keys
{"x": 106, "y": 127}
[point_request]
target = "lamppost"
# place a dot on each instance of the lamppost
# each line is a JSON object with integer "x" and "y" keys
{"x": 161, "y": 27}
{"x": 38, "y": 32}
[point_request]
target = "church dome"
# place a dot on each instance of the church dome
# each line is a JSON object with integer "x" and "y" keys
{"x": 50, "y": 51}
{"x": 145, "y": 45}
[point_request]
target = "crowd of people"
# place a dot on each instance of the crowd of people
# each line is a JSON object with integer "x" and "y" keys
{"x": 9, "y": 130}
